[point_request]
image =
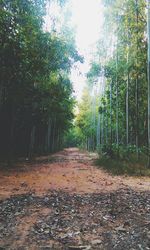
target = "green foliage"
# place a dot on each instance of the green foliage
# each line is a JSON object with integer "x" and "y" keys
{"x": 72, "y": 138}
{"x": 36, "y": 103}
{"x": 93, "y": 73}
{"x": 86, "y": 120}
{"x": 121, "y": 121}
{"x": 121, "y": 167}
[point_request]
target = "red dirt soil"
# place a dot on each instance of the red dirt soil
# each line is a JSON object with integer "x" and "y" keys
{"x": 70, "y": 170}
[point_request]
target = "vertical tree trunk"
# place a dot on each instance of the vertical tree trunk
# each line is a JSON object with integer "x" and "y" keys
{"x": 137, "y": 87}
{"x": 98, "y": 131}
{"x": 53, "y": 136}
{"x": 93, "y": 118}
{"x": 117, "y": 105}
{"x": 48, "y": 135}
{"x": 137, "y": 118}
{"x": 58, "y": 146}
{"x": 106, "y": 133}
{"x": 11, "y": 140}
{"x": 148, "y": 73}
{"x": 102, "y": 130}
{"x": 127, "y": 103}
{"x": 32, "y": 140}
{"x": 88, "y": 148}
{"x": 111, "y": 113}
{"x": 99, "y": 119}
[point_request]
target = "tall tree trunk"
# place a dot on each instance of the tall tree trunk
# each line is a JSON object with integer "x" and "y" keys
{"x": 32, "y": 140}
{"x": 127, "y": 102}
{"x": 48, "y": 135}
{"x": 53, "y": 136}
{"x": 137, "y": 117}
{"x": 102, "y": 130}
{"x": 99, "y": 118}
{"x": 137, "y": 86}
{"x": 93, "y": 118}
{"x": 106, "y": 113}
{"x": 111, "y": 113}
{"x": 117, "y": 104}
{"x": 98, "y": 131}
{"x": 11, "y": 140}
{"x": 148, "y": 73}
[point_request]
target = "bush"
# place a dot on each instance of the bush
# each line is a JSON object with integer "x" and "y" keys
{"x": 122, "y": 167}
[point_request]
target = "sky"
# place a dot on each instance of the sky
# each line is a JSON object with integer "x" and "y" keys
{"x": 87, "y": 17}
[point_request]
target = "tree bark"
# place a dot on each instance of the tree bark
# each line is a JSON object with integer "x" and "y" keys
{"x": 137, "y": 86}
{"x": 111, "y": 113}
{"x": 148, "y": 73}
{"x": 127, "y": 103}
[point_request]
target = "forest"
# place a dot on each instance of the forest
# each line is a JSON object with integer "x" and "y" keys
{"x": 75, "y": 125}
{"x": 114, "y": 119}
{"x": 36, "y": 101}
{"x": 36, "y": 93}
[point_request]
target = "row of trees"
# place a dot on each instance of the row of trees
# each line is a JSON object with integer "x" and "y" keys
{"x": 121, "y": 67}
{"x": 36, "y": 103}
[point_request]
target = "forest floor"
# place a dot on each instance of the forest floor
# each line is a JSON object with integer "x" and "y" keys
{"x": 63, "y": 201}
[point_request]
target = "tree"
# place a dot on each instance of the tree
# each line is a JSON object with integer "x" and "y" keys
{"x": 122, "y": 53}
{"x": 36, "y": 103}
{"x": 148, "y": 73}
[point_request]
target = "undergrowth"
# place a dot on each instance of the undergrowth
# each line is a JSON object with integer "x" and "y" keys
{"x": 124, "y": 165}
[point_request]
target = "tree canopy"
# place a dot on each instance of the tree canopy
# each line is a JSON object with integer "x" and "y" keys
{"x": 119, "y": 72}
{"x": 36, "y": 101}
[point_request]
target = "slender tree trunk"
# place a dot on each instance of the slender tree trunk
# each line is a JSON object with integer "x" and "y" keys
{"x": 11, "y": 141}
{"x": 98, "y": 131}
{"x": 137, "y": 118}
{"x": 94, "y": 118}
{"x": 32, "y": 140}
{"x": 148, "y": 73}
{"x": 58, "y": 141}
{"x": 48, "y": 134}
{"x": 127, "y": 86}
{"x": 111, "y": 113}
{"x": 99, "y": 120}
{"x": 117, "y": 116}
{"x": 88, "y": 144}
{"x": 117, "y": 105}
{"x": 102, "y": 130}
{"x": 53, "y": 136}
{"x": 127, "y": 103}
{"x": 137, "y": 88}
{"x": 117, "y": 95}
{"x": 106, "y": 112}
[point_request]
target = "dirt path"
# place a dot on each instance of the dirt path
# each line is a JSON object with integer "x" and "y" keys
{"x": 70, "y": 170}
{"x": 64, "y": 202}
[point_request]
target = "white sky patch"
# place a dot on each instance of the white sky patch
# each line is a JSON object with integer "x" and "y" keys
{"x": 87, "y": 17}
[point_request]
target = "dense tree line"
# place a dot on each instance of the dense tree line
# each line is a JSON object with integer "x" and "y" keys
{"x": 122, "y": 120}
{"x": 36, "y": 103}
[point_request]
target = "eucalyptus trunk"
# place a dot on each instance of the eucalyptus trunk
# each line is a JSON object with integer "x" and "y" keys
{"x": 127, "y": 102}
{"x": 111, "y": 113}
{"x": 102, "y": 130}
{"x": 117, "y": 105}
{"x": 93, "y": 118}
{"x": 137, "y": 84}
{"x": 98, "y": 131}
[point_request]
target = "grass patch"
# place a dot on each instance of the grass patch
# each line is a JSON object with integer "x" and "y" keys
{"x": 130, "y": 167}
